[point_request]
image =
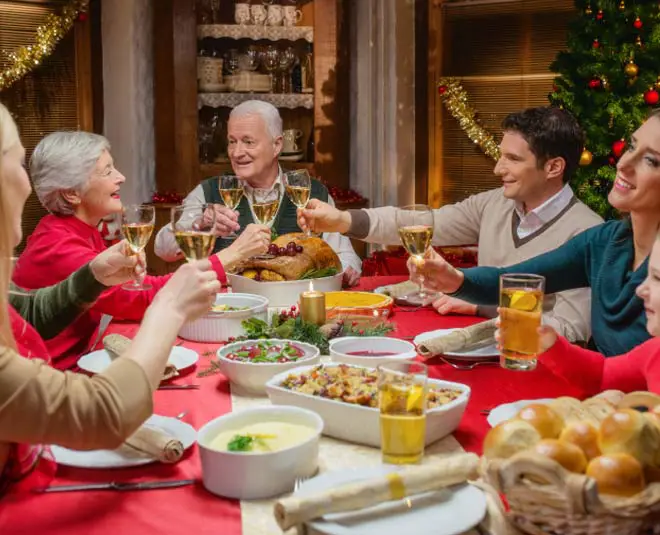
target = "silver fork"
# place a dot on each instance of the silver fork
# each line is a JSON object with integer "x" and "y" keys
{"x": 469, "y": 366}
{"x": 298, "y": 483}
{"x": 103, "y": 326}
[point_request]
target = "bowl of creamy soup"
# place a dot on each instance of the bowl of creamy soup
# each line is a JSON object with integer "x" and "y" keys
{"x": 260, "y": 452}
{"x": 371, "y": 351}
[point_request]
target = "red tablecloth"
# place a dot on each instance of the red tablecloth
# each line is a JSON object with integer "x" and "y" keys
{"x": 192, "y": 509}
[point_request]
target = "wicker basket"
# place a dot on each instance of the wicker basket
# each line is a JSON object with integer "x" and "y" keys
{"x": 569, "y": 504}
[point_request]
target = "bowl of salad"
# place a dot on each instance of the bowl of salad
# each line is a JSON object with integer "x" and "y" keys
{"x": 250, "y": 364}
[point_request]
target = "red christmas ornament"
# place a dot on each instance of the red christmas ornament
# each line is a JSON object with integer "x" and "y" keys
{"x": 611, "y": 160}
{"x": 638, "y": 24}
{"x": 596, "y": 43}
{"x": 82, "y": 16}
{"x": 595, "y": 83}
{"x": 618, "y": 147}
{"x": 651, "y": 97}
{"x": 442, "y": 89}
{"x": 599, "y": 15}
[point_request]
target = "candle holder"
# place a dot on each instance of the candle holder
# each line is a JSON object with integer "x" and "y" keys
{"x": 312, "y": 307}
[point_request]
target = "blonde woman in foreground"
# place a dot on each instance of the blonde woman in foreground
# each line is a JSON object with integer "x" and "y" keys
{"x": 41, "y": 405}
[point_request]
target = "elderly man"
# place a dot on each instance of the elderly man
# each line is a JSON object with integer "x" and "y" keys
{"x": 533, "y": 212}
{"x": 254, "y": 135}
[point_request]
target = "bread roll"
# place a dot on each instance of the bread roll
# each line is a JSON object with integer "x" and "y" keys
{"x": 546, "y": 421}
{"x": 598, "y": 408}
{"x": 613, "y": 396}
{"x": 116, "y": 345}
{"x": 508, "y": 438}
{"x": 618, "y": 474}
{"x": 568, "y": 455}
{"x": 641, "y": 401}
{"x": 584, "y": 435}
{"x": 629, "y": 431}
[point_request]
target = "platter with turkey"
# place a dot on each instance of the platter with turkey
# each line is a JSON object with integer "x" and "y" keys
{"x": 294, "y": 263}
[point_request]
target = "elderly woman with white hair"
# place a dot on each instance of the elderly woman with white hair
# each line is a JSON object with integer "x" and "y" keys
{"x": 254, "y": 135}
{"x": 76, "y": 181}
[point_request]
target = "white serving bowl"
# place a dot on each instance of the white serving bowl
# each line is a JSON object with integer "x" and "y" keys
{"x": 359, "y": 424}
{"x": 252, "y": 377}
{"x": 403, "y": 351}
{"x": 283, "y": 293}
{"x": 221, "y": 326}
{"x": 252, "y": 476}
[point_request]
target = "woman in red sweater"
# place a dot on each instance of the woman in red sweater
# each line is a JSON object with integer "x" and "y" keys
{"x": 76, "y": 181}
{"x": 638, "y": 369}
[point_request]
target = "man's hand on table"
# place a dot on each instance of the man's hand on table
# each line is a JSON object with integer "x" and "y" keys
{"x": 445, "y": 304}
{"x": 351, "y": 278}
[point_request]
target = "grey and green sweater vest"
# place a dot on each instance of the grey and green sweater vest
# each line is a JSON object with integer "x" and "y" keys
{"x": 285, "y": 220}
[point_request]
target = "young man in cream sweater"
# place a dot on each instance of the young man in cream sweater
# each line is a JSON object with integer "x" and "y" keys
{"x": 534, "y": 211}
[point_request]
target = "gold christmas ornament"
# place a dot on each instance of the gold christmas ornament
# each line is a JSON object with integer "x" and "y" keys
{"x": 657, "y": 83}
{"x": 586, "y": 157}
{"x": 604, "y": 82}
{"x": 622, "y": 6}
{"x": 588, "y": 10}
{"x": 631, "y": 69}
{"x": 24, "y": 59}
{"x": 638, "y": 41}
{"x": 455, "y": 99}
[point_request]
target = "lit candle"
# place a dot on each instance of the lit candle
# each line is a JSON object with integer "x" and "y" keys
{"x": 312, "y": 306}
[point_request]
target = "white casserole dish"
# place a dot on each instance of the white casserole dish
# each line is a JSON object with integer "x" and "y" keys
{"x": 250, "y": 377}
{"x": 404, "y": 351}
{"x": 359, "y": 424}
{"x": 220, "y": 326}
{"x": 252, "y": 476}
{"x": 283, "y": 293}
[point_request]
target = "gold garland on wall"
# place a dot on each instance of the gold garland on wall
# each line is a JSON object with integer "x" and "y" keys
{"x": 455, "y": 99}
{"x": 26, "y": 58}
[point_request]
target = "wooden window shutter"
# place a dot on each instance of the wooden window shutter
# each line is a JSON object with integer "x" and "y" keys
{"x": 18, "y": 22}
{"x": 502, "y": 52}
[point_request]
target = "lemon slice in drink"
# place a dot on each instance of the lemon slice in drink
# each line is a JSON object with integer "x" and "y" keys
{"x": 521, "y": 300}
{"x": 414, "y": 400}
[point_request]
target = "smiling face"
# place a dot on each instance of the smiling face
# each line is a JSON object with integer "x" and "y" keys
{"x": 100, "y": 196}
{"x": 16, "y": 185}
{"x": 636, "y": 188}
{"x": 523, "y": 179}
{"x": 649, "y": 291}
{"x": 252, "y": 150}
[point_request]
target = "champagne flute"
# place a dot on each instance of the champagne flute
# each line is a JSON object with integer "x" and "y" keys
{"x": 265, "y": 204}
{"x": 193, "y": 230}
{"x": 298, "y": 186}
{"x": 415, "y": 225}
{"x": 231, "y": 191}
{"x": 137, "y": 225}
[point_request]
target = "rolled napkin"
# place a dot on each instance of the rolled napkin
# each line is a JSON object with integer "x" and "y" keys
{"x": 458, "y": 339}
{"x": 155, "y": 444}
{"x": 401, "y": 289}
{"x": 117, "y": 344}
{"x": 296, "y": 510}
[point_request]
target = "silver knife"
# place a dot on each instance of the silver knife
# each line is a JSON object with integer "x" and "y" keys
{"x": 113, "y": 485}
{"x": 178, "y": 387}
{"x": 103, "y": 326}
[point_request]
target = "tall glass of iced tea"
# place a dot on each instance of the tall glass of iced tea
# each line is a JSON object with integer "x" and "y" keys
{"x": 402, "y": 400}
{"x": 521, "y": 306}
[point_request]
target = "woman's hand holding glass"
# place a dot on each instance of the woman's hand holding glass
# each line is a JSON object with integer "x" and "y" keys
{"x": 117, "y": 265}
{"x": 137, "y": 225}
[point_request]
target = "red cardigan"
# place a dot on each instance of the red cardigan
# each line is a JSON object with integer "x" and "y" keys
{"x": 638, "y": 369}
{"x": 59, "y": 246}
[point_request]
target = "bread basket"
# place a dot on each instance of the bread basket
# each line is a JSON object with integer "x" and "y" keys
{"x": 569, "y": 504}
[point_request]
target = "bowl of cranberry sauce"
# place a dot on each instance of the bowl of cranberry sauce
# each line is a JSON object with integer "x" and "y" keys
{"x": 371, "y": 351}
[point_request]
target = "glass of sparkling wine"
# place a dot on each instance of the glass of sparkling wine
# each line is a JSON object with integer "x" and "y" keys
{"x": 402, "y": 401}
{"x": 415, "y": 225}
{"x": 137, "y": 225}
{"x": 265, "y": 203}
{"x": 193, "y": 230}
{"x": 521, "y": 306}
{"x": 231, "y": 191}
{"x": 298, "y": 186}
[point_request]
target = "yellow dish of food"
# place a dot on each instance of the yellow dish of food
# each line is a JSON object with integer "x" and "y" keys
{"x": 262, "y": 437}
{"x": 356, "y": 303}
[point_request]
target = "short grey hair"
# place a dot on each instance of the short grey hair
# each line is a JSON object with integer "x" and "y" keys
{"x": 265, "y": 110}
{"x": 61, "y": 162}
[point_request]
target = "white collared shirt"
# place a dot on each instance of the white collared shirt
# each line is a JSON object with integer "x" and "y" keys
{"x": 532, "y": 221}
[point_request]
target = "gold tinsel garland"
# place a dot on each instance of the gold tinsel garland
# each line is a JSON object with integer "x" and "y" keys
{"x": 456, "y": 101}
{"x": 26, "y": 58}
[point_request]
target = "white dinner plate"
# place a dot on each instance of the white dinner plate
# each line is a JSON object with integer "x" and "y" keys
{"x": 449, "y": 511}
{"x": 97, "y": 361}
{"x": 122, "y": 458}
{"x": 489, "y": 351}
{"x": 507, "y": 411}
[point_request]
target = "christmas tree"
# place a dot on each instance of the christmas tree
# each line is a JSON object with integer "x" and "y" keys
{"x": 609, "y": 79}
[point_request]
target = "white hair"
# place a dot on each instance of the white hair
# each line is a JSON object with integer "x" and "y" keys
{"x": 64, "y": 161}
{"x": 265, "y": 110}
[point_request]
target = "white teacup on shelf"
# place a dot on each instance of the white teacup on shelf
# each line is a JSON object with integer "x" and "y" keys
{"x": 242, "y": 13}
{"x": 275, "y": 15}
{"x": 291, "y": 15}
{"x": 290, "y": 136}
{"x": 259, "y": 14}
